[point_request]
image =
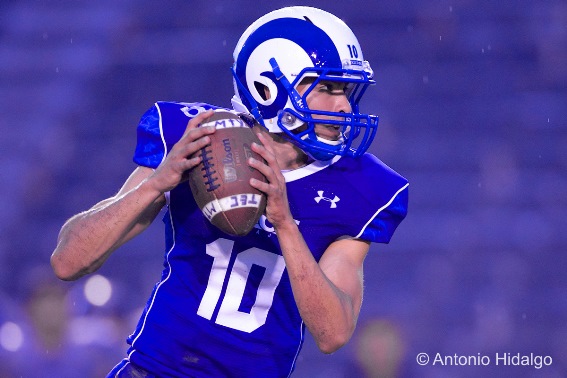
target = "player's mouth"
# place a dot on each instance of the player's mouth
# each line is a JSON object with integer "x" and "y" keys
{"x": 330, "y": 132}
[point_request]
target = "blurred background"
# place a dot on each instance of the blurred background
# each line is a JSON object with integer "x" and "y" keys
{"x": 472, "y": 97}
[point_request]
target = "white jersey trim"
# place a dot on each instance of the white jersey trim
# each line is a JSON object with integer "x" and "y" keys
{"x": 161, "y": 133}
{"x": 298, "y": 349}
{"x": 168, "y": 252}
{"x": 309, "y": 169}
{"x": 380, "y": 210}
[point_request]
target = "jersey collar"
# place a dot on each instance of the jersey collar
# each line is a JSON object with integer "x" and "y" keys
{"x": 309, "y": 169}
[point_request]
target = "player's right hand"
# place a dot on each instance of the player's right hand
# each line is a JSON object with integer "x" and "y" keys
{"x": 174, "y": 169}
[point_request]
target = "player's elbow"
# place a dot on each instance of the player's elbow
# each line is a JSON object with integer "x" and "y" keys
{"x": 334, "y": 342}
{"x": 63, "y": 269}
{"x": 330, "y": 347}
{"x": 60, "y": 269}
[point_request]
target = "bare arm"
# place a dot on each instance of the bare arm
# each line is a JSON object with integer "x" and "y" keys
{"x": 328, "y": 294}
{"x": 89, "y": 238}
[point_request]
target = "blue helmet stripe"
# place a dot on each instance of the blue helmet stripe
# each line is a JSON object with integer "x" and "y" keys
{"x": 313, "y": 40}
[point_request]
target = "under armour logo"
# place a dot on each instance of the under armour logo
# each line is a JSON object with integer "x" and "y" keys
{"x": 332, "y": 201}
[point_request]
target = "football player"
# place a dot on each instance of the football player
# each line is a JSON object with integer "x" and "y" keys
{"x": 239, "y": 306}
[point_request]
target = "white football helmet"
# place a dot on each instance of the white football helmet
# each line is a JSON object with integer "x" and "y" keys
{"x": 280, "y": 49}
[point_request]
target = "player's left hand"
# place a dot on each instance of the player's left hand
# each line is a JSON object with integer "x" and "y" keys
{"x": 277, "y": 205}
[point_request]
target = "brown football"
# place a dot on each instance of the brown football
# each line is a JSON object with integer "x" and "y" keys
{"x": 221, "y": 182}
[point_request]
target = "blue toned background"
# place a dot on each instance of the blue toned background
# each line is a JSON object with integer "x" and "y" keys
{"x": 472, "y": 97}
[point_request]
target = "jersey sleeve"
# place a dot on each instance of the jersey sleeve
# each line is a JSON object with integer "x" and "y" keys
{"x": 150, "y": 146}
{"x": 386, "y": 219}
{"x": 381, "y": 198}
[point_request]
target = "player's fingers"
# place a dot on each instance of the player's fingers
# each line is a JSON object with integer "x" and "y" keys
{"x": 192, "y": 162}
{"x": 194, "y": 146}
{"x": 271, "y": 170}
{"x": 275, "y": 192}
{"x": 264, "y": 169}
{"x": 267, "y": 154}
{"x": 260, "y": 185}
{"x": 265, "y": 143}
{"x": 274, "y": 188}
{"x": 194, "y": 135}
{"x": 185, "y": 148}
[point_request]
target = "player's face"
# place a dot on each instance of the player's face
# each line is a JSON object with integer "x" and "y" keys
{"x": 327, "y": 96}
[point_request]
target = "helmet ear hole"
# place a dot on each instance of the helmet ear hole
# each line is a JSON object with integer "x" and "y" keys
{"x": 262, "y": 90}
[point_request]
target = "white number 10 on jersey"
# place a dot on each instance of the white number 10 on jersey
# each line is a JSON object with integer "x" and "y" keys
{"x": 229, "y": 315}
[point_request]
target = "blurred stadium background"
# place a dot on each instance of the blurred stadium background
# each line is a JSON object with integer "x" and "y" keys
{"x": 472, "y": 97}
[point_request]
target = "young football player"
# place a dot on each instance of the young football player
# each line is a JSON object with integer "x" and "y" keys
{"x": 239, "y": 306}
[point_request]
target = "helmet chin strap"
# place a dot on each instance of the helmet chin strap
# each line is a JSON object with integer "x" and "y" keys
{"x": 330, "y": 142}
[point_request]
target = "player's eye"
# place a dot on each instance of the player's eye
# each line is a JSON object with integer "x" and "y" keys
{"x": 331, "y": 87}
{"x": 325, "y": 87}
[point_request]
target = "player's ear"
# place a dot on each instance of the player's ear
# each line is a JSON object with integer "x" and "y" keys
{"x": 263, "y": 90}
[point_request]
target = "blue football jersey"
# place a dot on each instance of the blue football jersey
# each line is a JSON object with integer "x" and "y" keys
{"x": 224, "y": 304}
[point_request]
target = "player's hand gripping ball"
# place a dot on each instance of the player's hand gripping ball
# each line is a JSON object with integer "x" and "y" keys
{"x": 221, "y": 182}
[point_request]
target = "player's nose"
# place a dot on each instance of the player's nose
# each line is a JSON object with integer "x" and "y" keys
{"x": 342, "y": 105}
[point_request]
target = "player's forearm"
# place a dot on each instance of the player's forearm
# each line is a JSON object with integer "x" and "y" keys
{"x": 327, "y": 312}
{"x": 88, "y": 239}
